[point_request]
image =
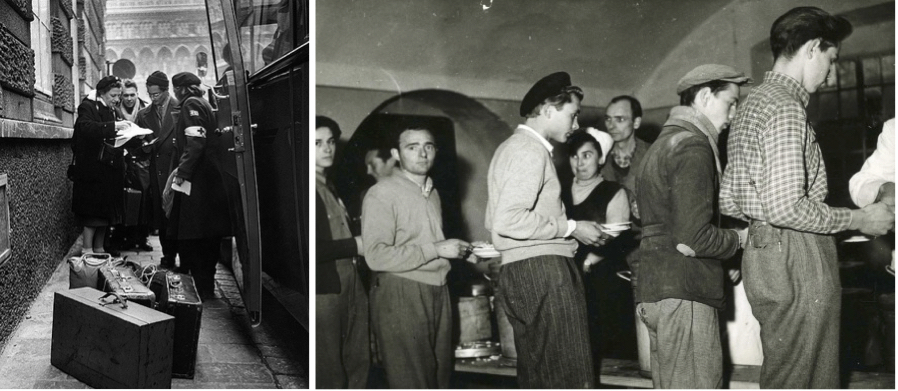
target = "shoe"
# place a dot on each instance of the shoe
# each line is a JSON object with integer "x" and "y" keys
{"x": 144, "y": 246}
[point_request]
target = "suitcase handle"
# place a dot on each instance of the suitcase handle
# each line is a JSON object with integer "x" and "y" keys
{"x": 117, "y": 299}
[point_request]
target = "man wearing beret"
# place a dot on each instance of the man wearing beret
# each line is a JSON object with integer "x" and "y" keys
{"x": 158, "y": 118}
{"x": 200, "y": 216}
{"x": 681, "y": 278}
{"x": 776, "y": 180}
{"x": 542, "y": 291}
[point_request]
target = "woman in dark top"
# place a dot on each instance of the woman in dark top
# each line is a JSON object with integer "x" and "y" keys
{"x": 341, "y": 304}
{"x": 591, "y": 197}
{"x": 99, "y": 168}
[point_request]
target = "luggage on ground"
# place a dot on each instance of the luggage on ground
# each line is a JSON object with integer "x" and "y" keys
{"x": 122, "y": 278}
{"x": 114, "y": 345}
{"x": 177, "y": 296}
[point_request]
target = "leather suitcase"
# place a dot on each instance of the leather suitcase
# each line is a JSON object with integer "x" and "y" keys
{"x": 108, "y": 346}
{"x": 121, "y": 279}
{"x": 178, "y": 297}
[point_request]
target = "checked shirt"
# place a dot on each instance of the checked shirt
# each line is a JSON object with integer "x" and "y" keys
{"x": 775, "y": 171}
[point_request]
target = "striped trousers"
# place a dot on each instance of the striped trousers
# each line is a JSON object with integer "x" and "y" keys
{"x": 545, "y": 304}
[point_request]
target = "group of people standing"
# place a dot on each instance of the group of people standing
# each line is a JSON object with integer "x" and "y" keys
{"x": 674, "y": 192}
{"x": 183, "y": 150}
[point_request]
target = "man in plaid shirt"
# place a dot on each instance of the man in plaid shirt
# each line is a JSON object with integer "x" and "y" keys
{"x": 776, "y": 180}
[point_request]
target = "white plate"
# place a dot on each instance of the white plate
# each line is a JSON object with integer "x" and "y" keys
{"x": 485, "y": 253}
{"x": 856, "y": 239}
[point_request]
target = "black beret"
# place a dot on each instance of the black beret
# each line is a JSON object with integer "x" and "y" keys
{"x": 185, "y": 79}
{"x": 107, "y": 81}
{"x": 158, "y": 78}
{"x": 546, "y": 87}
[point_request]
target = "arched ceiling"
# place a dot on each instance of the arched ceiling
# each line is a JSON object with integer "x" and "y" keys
{"x": 605, "y": 44}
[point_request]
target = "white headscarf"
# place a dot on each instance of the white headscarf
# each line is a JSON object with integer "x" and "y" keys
{"x": 605, "y": 142}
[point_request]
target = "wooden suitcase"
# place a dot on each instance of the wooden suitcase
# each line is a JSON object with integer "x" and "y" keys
{"x": 108, "y": 346}
{"x": 121, "y": 279}
{"x": 178, "y": 297}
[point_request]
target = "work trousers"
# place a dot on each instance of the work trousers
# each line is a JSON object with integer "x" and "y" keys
{"x": 685, "y": 344}
{"x": 792, "y": 283}
{"x": 342, "y": 356}
{"x": 544, "y": 301}
{"x": 198, "y": 258}
{"x": 413, "y": 328}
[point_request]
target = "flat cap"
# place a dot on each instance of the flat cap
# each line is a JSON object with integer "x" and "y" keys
{"x": 106, "y": 81}
{"x": 710, "y": 72}
{"x": 158, "y": 78}
{"x": 185, "y": 79}
{"x": 546, "y": 87}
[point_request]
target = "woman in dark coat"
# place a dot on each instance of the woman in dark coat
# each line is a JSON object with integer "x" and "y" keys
{"x": 609, "y": 299}
{"x": 99, "y": 171}
{"x": 200, "y": 220}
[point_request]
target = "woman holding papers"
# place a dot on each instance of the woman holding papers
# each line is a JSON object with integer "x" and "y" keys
{"x": 99, "y": 166}
{"x": 199, "y": 217}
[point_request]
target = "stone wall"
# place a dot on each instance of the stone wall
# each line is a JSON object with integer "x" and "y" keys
{"x": 41, "y": 222}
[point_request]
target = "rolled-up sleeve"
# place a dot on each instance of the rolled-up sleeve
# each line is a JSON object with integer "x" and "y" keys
{"x": 877, "y": 170}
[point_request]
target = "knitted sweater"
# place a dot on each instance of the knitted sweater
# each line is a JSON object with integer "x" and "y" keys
{"x": 400, "y": 224}
{"x": 524, "y": 212}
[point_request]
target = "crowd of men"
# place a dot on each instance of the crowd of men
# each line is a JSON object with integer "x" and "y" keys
{"x": 774, "y": 182}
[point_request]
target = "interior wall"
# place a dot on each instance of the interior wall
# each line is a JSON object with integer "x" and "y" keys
{"x": 729, "y": 36}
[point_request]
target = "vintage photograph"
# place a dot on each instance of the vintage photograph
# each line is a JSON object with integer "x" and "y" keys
{"x": 153, "y": 194}
{"x": 604, "y": 194}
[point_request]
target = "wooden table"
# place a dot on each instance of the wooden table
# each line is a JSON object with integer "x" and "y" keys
{"x": 625, "y": 373}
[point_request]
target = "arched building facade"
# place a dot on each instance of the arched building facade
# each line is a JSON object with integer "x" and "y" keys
{"x": 165, "y": 35}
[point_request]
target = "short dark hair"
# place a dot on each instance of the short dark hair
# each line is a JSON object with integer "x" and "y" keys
{"x": 688, "y": 95}
{"x": 635, "y": 107}
{"x": 190, "y": 90}
{"x": 381, "y": 152}
{"x": 411, "y": 126}
{"x": 128, "y": 83}
{"x": 578, "y": 139}
{"x": 565, "y": 96}
{"x": 802, "y": 24}
{"x": 325, "y": 122}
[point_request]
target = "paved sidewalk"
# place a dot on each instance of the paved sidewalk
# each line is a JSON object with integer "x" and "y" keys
{"x": 231, "y": 353}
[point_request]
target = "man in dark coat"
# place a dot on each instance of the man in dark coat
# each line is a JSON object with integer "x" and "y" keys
{"x": 681, "y": 277}
{"x": 99, "y": 177}
{"x": 199, "y": 217}
{"x": 158, "y": 118}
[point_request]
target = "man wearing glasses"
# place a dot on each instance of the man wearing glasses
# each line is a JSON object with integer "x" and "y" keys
{"x": 402, "y": 232}
{"x": 158, "y": 118}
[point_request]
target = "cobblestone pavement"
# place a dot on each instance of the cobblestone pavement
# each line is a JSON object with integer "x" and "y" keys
{"x": 231, "y": 353}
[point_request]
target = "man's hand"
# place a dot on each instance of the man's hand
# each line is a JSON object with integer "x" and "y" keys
{"x": 743, "y": 237}
{"x": 591, "y": 259}
{"x": 588, "y": 232}
{"x": 122, "y": 125}
{"x": 178, "y": 180}
{"x": 735, "y": 275}
{"x": 876, "y": 219}
{"x": 887, "y": 194}
{"x": 452, "y": 248}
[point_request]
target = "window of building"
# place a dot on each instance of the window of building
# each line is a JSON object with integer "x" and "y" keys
{"x": 41, "y": 33}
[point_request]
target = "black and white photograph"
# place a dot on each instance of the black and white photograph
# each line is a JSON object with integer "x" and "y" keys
{"x": 153, "y": 194}
{"x": 604, "y": 194}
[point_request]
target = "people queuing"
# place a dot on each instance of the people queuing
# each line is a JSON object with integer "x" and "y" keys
{"x": 674, "y": 193}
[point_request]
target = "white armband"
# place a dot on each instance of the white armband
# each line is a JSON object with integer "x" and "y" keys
{"x": 195, "y": 131}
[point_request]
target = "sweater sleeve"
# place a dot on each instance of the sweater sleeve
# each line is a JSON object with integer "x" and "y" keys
{"x": 692, "y": 202}
{"x": 519, "y": 177}
{"x": 379, "y": 237}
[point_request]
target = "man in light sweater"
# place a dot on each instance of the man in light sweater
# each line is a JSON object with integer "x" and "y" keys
{"x": 541, "y": 288}
{"x": 402, "y": 232}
